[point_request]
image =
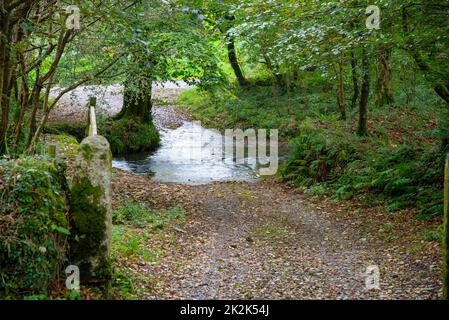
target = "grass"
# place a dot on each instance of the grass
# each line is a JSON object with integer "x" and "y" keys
{"x": 138, "y": 215}
{"x": 433, "y": 235}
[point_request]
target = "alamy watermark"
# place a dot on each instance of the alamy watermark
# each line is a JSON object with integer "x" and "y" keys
{"x": 372, "y": 278}
{"x": 373, "y": 20}
{"x": 73, "y": 278}
{"x": 255, "y": 148}
{"x": 73, "y": 21}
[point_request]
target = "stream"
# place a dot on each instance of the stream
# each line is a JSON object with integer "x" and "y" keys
{"x": 189, "y": 154}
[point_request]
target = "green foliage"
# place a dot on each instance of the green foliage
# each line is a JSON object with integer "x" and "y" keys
{"x": 399, "y": 165}
{"x": 122, "y": 283}
{"x": 33, "y": 225}
{"x": 136, "y": 227}
{"x": 73, "y": 295}
{"x": 132, "y": 213}
{"x": 128, "y": 135}
{"x": 400, "y": 176}
{"x": 317, "y": 157}
{"x": 258, "y": 107}
{"x": 125, "y": 135}
{"x": 66, "y": 146}
{"x": 433, "y": 235}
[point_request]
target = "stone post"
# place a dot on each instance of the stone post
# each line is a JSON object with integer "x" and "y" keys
{"x": 91, "y": 129}
{"x": 90, "y": 210}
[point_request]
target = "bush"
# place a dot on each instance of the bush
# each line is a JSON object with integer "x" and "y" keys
{"x": 75, "y": 129}
{"x": 33, "y": 224}
{"x": 132, "y": 213}
{"x": 402, "y": 176}
{"x": 129, "y": 135}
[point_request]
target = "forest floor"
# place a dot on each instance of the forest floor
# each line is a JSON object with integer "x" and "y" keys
{"x": 265, "y": 240}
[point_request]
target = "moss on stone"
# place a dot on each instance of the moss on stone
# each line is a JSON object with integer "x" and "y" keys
{"x": 86, "y": 151}
{"x": 88, "y": 217}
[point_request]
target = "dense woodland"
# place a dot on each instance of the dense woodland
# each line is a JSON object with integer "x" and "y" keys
{"x": 363, "y": 108}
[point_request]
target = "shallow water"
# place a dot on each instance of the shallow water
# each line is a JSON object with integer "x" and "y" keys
{"x": 190, "y": 154}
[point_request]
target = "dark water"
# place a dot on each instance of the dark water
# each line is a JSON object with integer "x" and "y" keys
{"x": 189, "y": 154}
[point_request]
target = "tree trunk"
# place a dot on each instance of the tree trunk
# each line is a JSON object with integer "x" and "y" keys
{"x": 137, "y": 105}
{"x": 383, "y": 94}
{"x": 341, "y": 88}
{"x": 4, "y": 78}
{"x": 233, "y": 60}
{"x": 363, "y": 105}
{"x": 278, "y": 79}
{"x": 445, "y": 245}
{"x": 355, "y": 80}
{"x": 24, "y": 98}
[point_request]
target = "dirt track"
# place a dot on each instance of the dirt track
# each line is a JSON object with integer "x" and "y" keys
{"x": 264, "y": 241}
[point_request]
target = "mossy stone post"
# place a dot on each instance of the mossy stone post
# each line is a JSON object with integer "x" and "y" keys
{"x": 446, "y": 231}
{"x": 91, "y": 218}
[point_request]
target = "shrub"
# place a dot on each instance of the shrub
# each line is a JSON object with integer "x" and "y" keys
{"x": 132, "y": 213}
{"x": 75, "y": 129}
{"x": 402, "y": 176}
{"x": 33, "y": 224}
{"x": 129, "y": 135}
{"x": 316, "y": 157}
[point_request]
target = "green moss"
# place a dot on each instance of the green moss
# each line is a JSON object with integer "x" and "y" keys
{"x": 86, "y": 151}
{"x": 129, "y": 135}
{"x": 88, "y": 217}
{"x": 64, "y": 139}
